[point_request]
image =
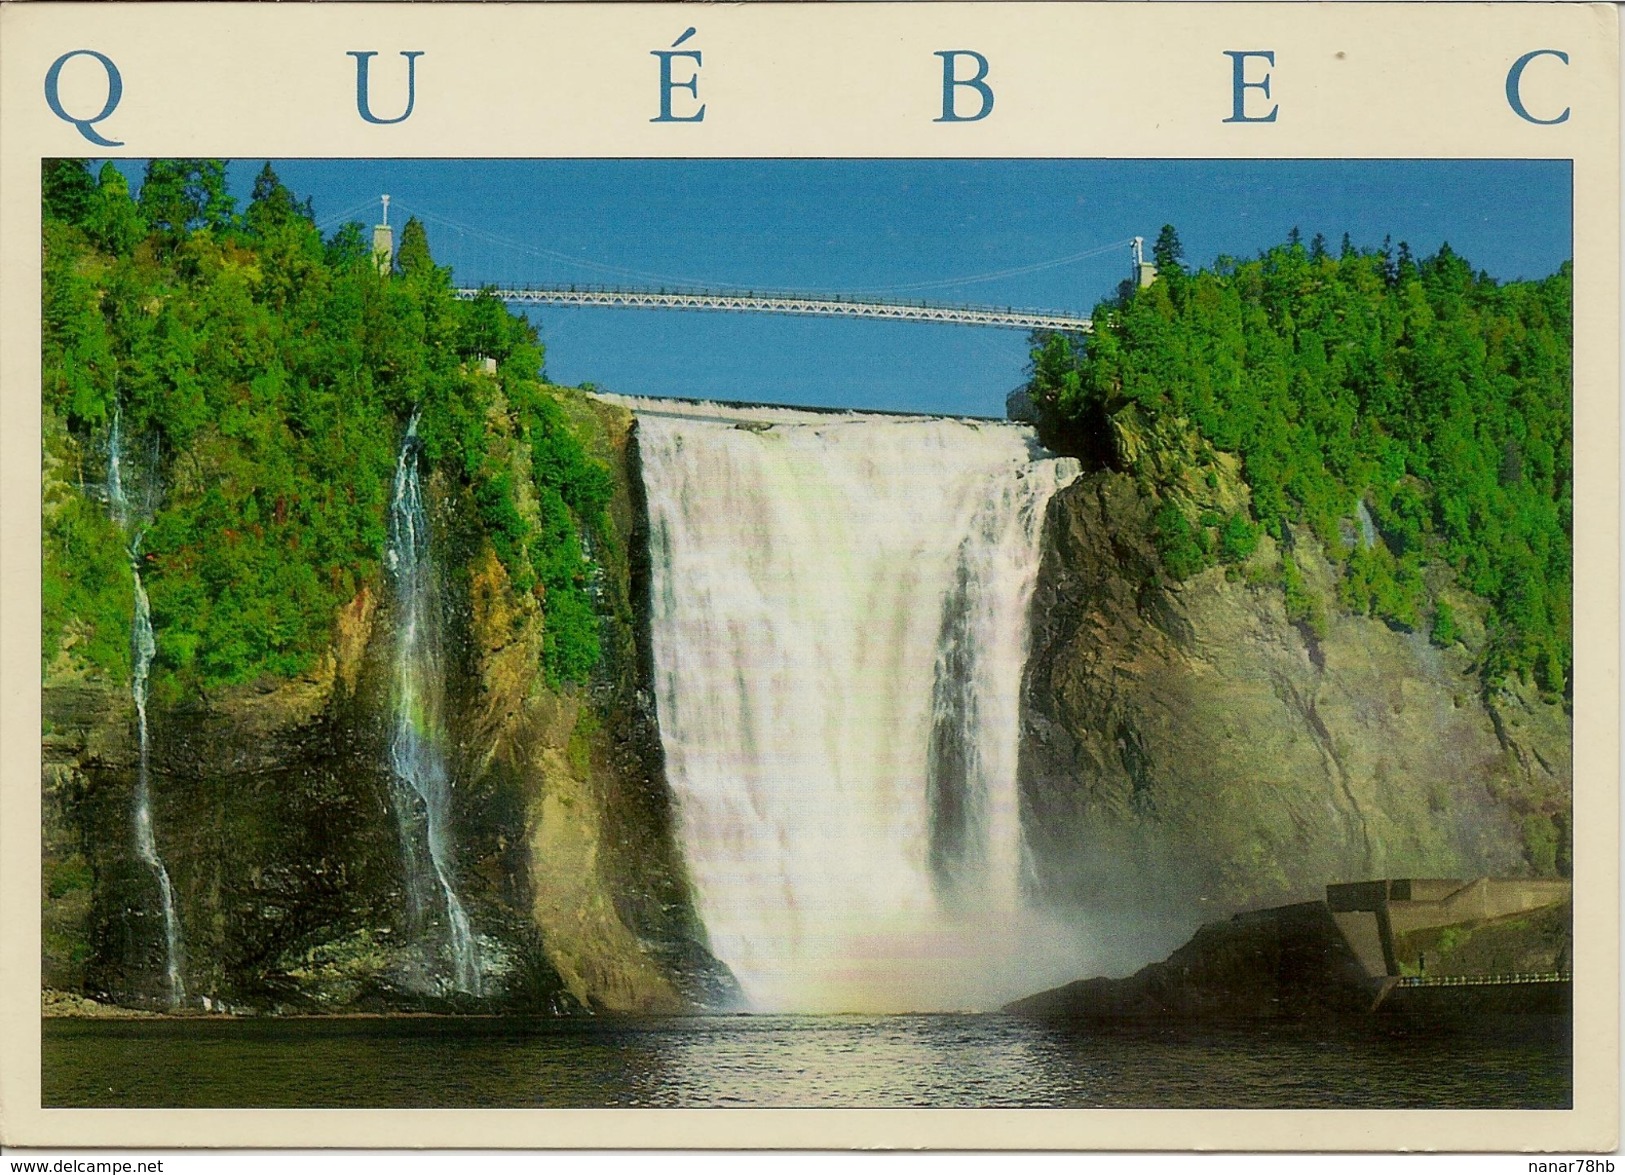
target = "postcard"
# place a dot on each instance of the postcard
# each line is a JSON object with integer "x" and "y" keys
{"x": 976, "y": 575}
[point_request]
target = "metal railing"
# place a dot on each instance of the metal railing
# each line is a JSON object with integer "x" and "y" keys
{"x": 786, "y": 303}
{"x": 1484, "y": 980}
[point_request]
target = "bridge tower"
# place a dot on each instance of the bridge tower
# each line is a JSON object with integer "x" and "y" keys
{"x": 1144, "y": 272}
{"x": 383, "y": 242}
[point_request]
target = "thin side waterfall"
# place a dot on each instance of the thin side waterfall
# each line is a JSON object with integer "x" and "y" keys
{"x": 839, "y": 613}
{"x": 976, "y": 842}
{"x": 420, "y": 786}
{"x": 143, "y": 647}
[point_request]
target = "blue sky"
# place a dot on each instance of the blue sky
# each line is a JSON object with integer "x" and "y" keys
{"x": 852, "y": 226}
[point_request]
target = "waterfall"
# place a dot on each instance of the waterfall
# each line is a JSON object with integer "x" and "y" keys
{"x": 839, "y": 623}
{"x": 143, "y": 647}
{"x": 420, "y": 787}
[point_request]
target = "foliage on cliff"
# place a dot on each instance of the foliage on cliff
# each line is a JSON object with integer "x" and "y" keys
{"x": 1437, "y": 400}
{"x": 262, "y": 377}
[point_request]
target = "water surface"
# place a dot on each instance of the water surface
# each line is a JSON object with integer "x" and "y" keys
{"x": 963, "y": 1061}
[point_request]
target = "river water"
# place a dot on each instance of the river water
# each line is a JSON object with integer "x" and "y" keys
{"x": 947, "y": 1061}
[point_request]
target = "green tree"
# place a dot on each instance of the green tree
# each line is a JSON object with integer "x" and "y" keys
{"x": 1238, "y": 538}
{"x": 112, "y": 219}
{"x": 178, "y": 195}
{"x": 1444, "y": 632}
{"x": 67, "y": 189}
{"x": 1177, "y": 542}
{"x": 272, "y": 205}
{"x": 412, "y": 254}
{"x": 1167, "y": 252}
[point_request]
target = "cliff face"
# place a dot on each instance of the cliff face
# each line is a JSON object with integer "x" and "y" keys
{"x": 272, "y": 811}
{"x": 1189, "y": 751}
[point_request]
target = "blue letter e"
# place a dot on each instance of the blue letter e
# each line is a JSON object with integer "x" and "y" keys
{"x": 1239, "y": 85}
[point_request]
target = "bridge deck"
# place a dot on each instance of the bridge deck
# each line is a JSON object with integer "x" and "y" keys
{"x": 780, "y": 303}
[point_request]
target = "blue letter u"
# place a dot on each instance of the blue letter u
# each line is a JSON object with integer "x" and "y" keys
{"x": 363, "y": 107}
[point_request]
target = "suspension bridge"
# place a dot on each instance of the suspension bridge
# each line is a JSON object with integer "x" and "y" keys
{"x": 829, "y": 306}
{"x": 782, "y": 302}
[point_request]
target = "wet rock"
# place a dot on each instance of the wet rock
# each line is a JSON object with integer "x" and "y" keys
{"x": 272, "y": 811}
{"x": 1188, "y": 749}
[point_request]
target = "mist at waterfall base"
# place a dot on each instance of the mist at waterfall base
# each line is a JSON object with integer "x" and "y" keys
{"x": 839, "y": 625}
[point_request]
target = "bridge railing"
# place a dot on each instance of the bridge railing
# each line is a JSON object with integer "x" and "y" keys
{"x": 785, "y": 302}
{"x": 1485, "y": 980}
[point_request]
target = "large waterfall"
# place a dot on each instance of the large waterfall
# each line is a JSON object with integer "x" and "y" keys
{"x": 420, "y": 786}
{"x": 839, "y": 620}
{"x": 143, "y": 647}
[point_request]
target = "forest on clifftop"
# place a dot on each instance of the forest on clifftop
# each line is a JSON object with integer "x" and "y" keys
{"x": 261, "y": 377}
{"x": 1414, "y": 415}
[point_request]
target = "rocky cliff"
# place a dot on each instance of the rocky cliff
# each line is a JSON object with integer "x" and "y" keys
{"x": 272, "y": 808}
{"x": 1189, "y": 749}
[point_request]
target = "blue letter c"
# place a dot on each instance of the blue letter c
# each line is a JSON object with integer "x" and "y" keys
{"x": 1515, "y": 80}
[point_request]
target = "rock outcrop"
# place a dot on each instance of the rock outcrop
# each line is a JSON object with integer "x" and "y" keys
{"x": 1288, "y": 963}
{"x": 1300, "y": 963}
{"x": 1189, "y": 749}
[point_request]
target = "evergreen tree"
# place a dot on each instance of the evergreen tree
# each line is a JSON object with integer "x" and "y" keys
{"x": 412, "y": 253}
{"x": 1405, "y": 270}
{"x": 1167, "y": 252}
{"x": 272, "y": 205}
{"x": 165, "y": 202}
{"x": 216, "y": 206}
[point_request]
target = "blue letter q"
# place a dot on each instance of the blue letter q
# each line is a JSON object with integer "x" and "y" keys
{"x": 115, "y": 91}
